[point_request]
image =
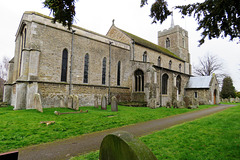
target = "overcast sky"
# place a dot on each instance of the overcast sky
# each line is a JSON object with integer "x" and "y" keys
{"x": 97, "y": 16}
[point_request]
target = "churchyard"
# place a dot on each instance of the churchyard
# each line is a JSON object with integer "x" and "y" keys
{"x": 21, "y": 128}
{"x": 214, "y": 137}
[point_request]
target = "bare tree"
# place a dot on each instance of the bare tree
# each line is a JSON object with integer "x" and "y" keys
{"x": 4, "y": 68}
{"x": 209, "y": 64}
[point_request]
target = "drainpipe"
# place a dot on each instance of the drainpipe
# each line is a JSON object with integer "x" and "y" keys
{"x": 161, "y": 87}
{"x": 109, "y": 74}
{"x": 70, "y": 85}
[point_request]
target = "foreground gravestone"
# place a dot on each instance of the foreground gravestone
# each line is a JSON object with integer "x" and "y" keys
{"x": 114, "y": 106}
{"x": 9, "y": 156}
{"x": 38, "y": 102}
{"x": 104, "y": 103}
{"x": 122, "y": 145}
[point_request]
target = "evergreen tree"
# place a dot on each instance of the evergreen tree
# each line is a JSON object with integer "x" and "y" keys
{"x": 228, "y": 90}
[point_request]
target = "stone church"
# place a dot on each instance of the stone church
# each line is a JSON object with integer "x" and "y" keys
{"x": 56, "y": 63}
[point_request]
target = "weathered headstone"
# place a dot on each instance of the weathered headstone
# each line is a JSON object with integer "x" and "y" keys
{"x": 38, "y": 102}
{"x": 104, "y": 103}
{"x": 96, "y": 101}
{"x": 70, "y": 101}
{"x": 114, "y": 105}
{"x": 62, "y": 103}
{"x": 152, "y": 103}
{"x": 232, "y": 100}
{"x": 122, "y": 145}
{"x": 75, "y": 102}
{"x": 237, "y": 100}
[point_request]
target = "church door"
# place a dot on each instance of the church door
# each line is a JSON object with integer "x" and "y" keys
{"x": 215, "y": 95}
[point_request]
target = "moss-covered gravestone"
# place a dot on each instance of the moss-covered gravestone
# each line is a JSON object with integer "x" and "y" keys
{"x": 104, "y": 103}
{"x": 124, "y": 146}
{"x": 114, "y": 105}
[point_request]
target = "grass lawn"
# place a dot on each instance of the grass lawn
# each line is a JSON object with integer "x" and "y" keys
{"x": 213, "y": 137}
{"x": 22, "y": 127}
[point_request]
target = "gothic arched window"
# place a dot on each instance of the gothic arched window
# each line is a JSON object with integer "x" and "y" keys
{"x": 86, "y": 62}
{"x": 139, "y": 80}
{"x": 170, "y": 64}
{"x": 183, "y": 42}
{"x": 118, "y": 73}
{"x": 145, "y": 56}
{"x": 159, "y": 61}
{"x": 167, "y": 43}
{"x": 104, "y": 71}
{"x": 164, "y": 83}
{"x": 64, "y": 65}
{"x": 180, "y": 67}
{"x": 178, "y": 84}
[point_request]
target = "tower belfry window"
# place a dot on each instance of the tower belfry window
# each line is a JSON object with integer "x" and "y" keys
{"x": 167, "y": 43}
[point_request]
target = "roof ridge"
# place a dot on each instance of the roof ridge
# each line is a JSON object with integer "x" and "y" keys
{"x": 149, "y": 44}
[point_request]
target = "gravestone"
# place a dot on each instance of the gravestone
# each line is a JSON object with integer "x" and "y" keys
{"x": 122, "y": 145}
{"x": 70, "y": 101}
{"x": 237, "y": 100}
{"x": 96, "y": 101}
{"x": 75, "y": 102}
{"x": 62, "y": 103}
{"x": 152, "y": 103}
{"x": 232, "y": 100}
{"x": 114, "y": 105}
{"x": 38, "y": 102}
{"x": 104, "y": 103}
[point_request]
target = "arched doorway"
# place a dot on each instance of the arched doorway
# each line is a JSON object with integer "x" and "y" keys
{"x": 215, "y": 97}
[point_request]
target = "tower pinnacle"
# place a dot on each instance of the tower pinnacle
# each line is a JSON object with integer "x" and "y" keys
{"x": 172, "y": 22}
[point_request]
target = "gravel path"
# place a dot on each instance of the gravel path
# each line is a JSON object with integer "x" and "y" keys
{"x": 65, "y": 149}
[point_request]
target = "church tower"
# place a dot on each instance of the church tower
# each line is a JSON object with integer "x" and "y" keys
{"x": 175, "y": 39}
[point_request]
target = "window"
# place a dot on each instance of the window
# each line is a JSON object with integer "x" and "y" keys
{"x": 164, "y": 83}
{"x": 139, "y": 80}
{"x": 180, "y": 67}
{"x": 64, "y": 65}
{"x": 159, "y": 61}
{"x": 178, "y": 84}
{"x": 170, "y": 64}
{"x": 86, "y": 61}
{"x": 104, "y": 71}
{"x": 195, "y": 94}
{"x": 145, "y": 56}
{"x": 183, "y": 42}
{"x": 167, "y": 43}
{"x": 118, "y": 73}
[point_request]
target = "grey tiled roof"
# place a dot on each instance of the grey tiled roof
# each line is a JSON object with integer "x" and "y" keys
{"x": 199, "y": 82}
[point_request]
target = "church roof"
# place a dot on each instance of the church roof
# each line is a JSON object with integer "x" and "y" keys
{"x": 199, "y": 82}
{"x": 150, "y": 45}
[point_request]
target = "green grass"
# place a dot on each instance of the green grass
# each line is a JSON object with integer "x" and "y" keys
{"x": 22, "y": 127}
{"x": 213, "y": 137}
